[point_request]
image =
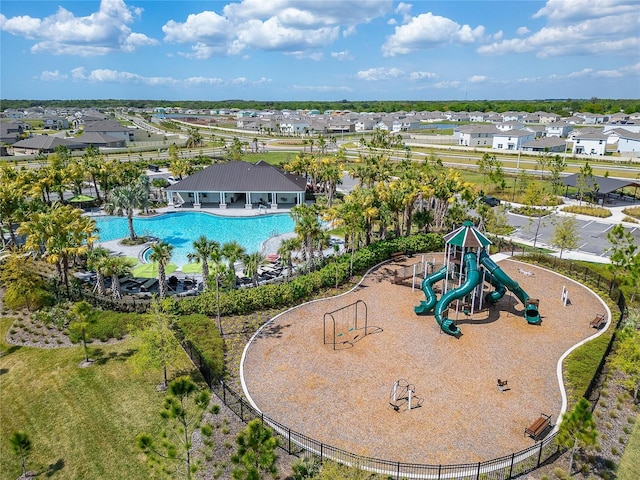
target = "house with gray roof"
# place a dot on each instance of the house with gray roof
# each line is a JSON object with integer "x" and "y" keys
{"x": 545, "y": 144}
{"x": 239, "y": 185}
{"x": 110, "y": 128}
{"x": 475, "y": 135}
{"x": 45, "y": 144}
{"x": 512, "y": 140}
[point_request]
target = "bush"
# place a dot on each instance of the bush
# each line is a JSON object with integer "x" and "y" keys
{"x": 588, "y": 210}
{"x": 632, "y": 212}
{"x": 531, "y": 211}
{"x": 302, "y": 288}
{"x": 203, "y": 333}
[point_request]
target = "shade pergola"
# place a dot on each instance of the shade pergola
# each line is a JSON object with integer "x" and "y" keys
{"x": 605, "y": 184}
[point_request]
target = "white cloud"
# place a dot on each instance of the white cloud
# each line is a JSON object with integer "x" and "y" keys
{"x": 428, "y": 31}
{"x": 498, "y": 35}
{"x": 577, "y": 27}
{"x": 80, "y": 74}
{"x": 279, "y": 25}
{"x": 342, "y": 56}
{"x": 52, "y": 76}
{"x": 380, "y": 73}
{"x": 448, "y": 84}
{"x": 561, "y": 11}
{"x": 99, "y": 33}
{"x": 477, "y": 79}
{"x": 199, "y": 27}
{"x": 302, "y": 54}
{"x": 422, "y": 75}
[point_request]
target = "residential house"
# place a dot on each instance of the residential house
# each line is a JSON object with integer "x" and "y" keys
{"x": 512, "y": 140}
{"x": 45, "y": 144}
{"x": 558, "y": 129}
{"x": 476, "y": 135}
{"x": 110, "y": 128}
{"x": 590, "y": 144}
{"x": 629, "y": 143}
{"x": 549, "y": 117}
{"x": 545, "y": 144}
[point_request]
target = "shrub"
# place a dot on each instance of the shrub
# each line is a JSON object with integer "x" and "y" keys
{"x": 215, "y": 409}
{"x": 588, "y": 210}
{"x": 632, "y": 212}
{"x": 203, "y": 333}
{"x": 207, "y": 430}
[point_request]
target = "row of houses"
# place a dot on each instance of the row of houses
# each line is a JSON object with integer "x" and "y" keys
{"x": 557, "y": 137}
{"x": 96, "y": 131}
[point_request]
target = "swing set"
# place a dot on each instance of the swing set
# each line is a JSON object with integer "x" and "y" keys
{"x": 344, "y": 326}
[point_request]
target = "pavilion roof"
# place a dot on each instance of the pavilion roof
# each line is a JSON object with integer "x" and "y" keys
{"x": 467, "y": 236}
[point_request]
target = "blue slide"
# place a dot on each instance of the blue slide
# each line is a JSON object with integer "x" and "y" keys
{"x": 427, "y": 305}
{"x": 530, "y": 310}
{"x": 473, "y": 279}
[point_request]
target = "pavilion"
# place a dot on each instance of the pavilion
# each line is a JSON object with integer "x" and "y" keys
{"x": 238, "y": 184}
{"x": 602, "y": 186}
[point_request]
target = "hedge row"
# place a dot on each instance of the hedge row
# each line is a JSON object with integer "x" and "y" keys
{"x": 302, "y": 288}
{"x": 205, "y": 337}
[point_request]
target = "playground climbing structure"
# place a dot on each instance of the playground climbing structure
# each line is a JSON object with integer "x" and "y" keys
{"x": 467, "y": 268}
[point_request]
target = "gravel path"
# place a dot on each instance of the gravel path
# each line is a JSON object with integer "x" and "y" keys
{"x": 341, "y": 397}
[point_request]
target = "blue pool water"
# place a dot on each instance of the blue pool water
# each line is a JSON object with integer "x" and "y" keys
{"x": 180, "y": 229}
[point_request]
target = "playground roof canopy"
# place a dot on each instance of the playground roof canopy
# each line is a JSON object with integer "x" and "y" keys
{"x": 467, "y": 236}
{"x": 605, "y": 184}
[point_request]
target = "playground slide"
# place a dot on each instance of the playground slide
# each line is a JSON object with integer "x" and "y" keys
{"x": 427, "y": 305}
{"x": 473, "y": 278}
{"x": 530, "y": 311}
{"x": 498, "y": 293}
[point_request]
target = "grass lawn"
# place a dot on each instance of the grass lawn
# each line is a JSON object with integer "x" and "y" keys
{"x": 82, "y": 422}
{"x": 629, "y": 468}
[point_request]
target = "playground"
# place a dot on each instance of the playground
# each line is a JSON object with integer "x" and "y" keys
{"x": 352, "y": 391}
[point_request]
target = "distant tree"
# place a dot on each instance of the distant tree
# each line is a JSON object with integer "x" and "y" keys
{"x": 157, "y": 343}
{"x": 21, "y": 446}
{"x": 256, "y": 452}
{"x": 577, "y": 430}
{"x": 585, "y": 182}
{"x": 195, "y": 138}
{"x": 204, "y": 251}
{"x": 183, "y": 409}
{"x": 218, "y": 272}
{"x": 123, "y": 201}
{"x": 565, "y": 233}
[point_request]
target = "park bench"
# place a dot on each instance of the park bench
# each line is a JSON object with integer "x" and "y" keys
{"x": 396, "y": 257}
{"x": 537, "y": 428}
{"x": 598, "y": 322}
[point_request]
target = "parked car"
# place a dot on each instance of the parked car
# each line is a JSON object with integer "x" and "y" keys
{"x": 491, "y": 201}
{"x": 172, "y": 180}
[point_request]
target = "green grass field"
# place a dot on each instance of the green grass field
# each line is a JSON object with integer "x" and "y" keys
{"x": 82, "y": 422}
{"x": 629, "y": 468}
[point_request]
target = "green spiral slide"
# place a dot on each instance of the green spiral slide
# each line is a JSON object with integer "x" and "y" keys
{"x": 473, "y": 278}
{"x": 427, "y": 305}
{"x": 531, "y": 313}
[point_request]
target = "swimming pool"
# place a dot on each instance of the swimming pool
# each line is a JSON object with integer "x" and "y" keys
{"x": 180, "y": 229}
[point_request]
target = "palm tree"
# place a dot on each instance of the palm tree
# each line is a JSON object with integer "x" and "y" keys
{"x": 252, "y": 264}
{"x": 161, "y": 253}
{"x": 62, "y": 233}
{"x": 218, "y": 271}
{"x": 124, "y": 200}
{"x": 232, "y": 251}
{"x": 286, "y": 249}
{"x": 195, "y": 138}
{"x": 308, "y": 229}
{"x": 116, "y": 267}
{"x": 205, "y": 250}
{"x": 96, "y": 262}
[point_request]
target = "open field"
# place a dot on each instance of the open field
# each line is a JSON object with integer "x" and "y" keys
{"x": 82, "y": 422}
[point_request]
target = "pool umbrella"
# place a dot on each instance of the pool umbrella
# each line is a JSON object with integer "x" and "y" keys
{"x": 81, "y": 199}
{"x": 150, "y": 270}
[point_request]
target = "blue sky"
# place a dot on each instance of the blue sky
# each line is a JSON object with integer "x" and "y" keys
{"x": 319, "y": 49}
